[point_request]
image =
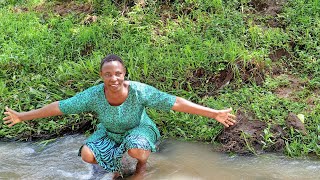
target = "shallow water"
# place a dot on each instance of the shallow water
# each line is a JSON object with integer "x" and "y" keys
{"x": 176, "y": 160}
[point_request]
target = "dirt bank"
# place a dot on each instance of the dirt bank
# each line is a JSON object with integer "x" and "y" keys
{"x": 251, "y": 135}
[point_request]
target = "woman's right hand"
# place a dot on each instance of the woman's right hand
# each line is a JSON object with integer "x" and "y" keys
{"x": 12, "y": 117}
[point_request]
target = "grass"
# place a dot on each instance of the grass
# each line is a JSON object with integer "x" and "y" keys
{"x": 46, "y": 57}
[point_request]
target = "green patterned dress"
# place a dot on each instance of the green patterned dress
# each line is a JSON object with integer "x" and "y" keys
{"x": 120, "y": 127}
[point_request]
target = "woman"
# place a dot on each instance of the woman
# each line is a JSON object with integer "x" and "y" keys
{"x": 123, "y": 122}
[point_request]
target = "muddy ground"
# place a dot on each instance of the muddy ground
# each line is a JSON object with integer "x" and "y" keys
{"x": 250, "y": 135}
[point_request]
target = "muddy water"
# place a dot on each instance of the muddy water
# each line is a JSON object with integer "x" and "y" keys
{"x": 176, "y": 160}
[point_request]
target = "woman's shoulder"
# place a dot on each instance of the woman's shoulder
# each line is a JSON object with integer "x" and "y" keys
{"x": 142, "y": 89}
{"x": 94, "y": 89}
{"x": 139, "y": 86}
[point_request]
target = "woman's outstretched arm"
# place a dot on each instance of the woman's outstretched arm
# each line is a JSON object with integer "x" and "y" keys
{"x": 13, "y": 117}
{"x": 222, "y": 116}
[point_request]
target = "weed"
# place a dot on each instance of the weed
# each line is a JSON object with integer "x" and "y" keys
{"x": 267, "y": 137}
{"x": 246, "y": 138}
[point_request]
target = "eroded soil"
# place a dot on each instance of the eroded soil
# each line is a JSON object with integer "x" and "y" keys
{"x": 65, "y": 8}
{"x": 250, "y": 135}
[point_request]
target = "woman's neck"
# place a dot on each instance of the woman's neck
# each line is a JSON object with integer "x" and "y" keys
{"x": 117, "y": 98}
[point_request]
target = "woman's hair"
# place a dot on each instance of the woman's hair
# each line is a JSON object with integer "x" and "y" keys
{"x": 109, "y": 58}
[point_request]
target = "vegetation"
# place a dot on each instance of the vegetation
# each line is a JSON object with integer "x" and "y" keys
{"x": 261, "y": 56}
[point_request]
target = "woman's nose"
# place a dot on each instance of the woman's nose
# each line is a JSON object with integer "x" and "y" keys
{"x": 113, "y": 78}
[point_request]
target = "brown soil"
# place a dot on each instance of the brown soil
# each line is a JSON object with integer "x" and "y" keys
{"x": 247, "y": 136}
{"x": 87, "y": 50}
{"x": 20, "y": 9}
{"x": 223, "y": 78}
{"x": 294, "y": 122}
{"x": 205, "y": 82}
{"x": 251, "y": 72}
{"x": 64, "y": 8}
{"x": 278, "y": 54}
{"x": 313, "y": 100}
{"x": 89, "y": 19}
{"x": 290, "y": 91}
{"x": 270, "y": 7}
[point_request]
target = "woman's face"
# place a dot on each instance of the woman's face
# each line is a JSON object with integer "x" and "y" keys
{"x": 113, "y": 74}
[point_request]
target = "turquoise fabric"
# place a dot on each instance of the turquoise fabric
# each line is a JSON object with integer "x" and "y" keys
{"x": 129, "y": 118}
{"x": 109, "y": 154}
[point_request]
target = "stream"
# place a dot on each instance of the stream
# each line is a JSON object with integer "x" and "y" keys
{"x": 175, "y": 160}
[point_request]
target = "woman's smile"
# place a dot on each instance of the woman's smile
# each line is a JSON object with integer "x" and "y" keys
{"x": 113, "y": 74}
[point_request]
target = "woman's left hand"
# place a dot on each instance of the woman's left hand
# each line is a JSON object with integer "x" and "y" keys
{"x": 224, "y": 117}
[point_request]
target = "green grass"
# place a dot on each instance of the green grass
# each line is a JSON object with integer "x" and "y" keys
{"x": 46, "y": 57}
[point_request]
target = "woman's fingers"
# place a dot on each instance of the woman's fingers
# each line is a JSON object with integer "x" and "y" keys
{"x": 226, "y": 118}
{"x": 7, "y": 117}
{"x": 10, "y": 111}
{"x": 230, "y": 120}
{"x": 10, "y": 125}
{"x": 231, "y": 116}
{"x": 225, "y": 124}
{"x": 7, "y": 122}
{"x": 10, "y": 117}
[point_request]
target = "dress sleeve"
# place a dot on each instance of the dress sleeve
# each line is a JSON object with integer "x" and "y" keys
{"x": 157, "y": 99}
{"x": 79, "y": 103}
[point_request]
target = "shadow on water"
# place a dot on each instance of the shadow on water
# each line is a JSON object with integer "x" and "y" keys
{"x": 175, "y": 160}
